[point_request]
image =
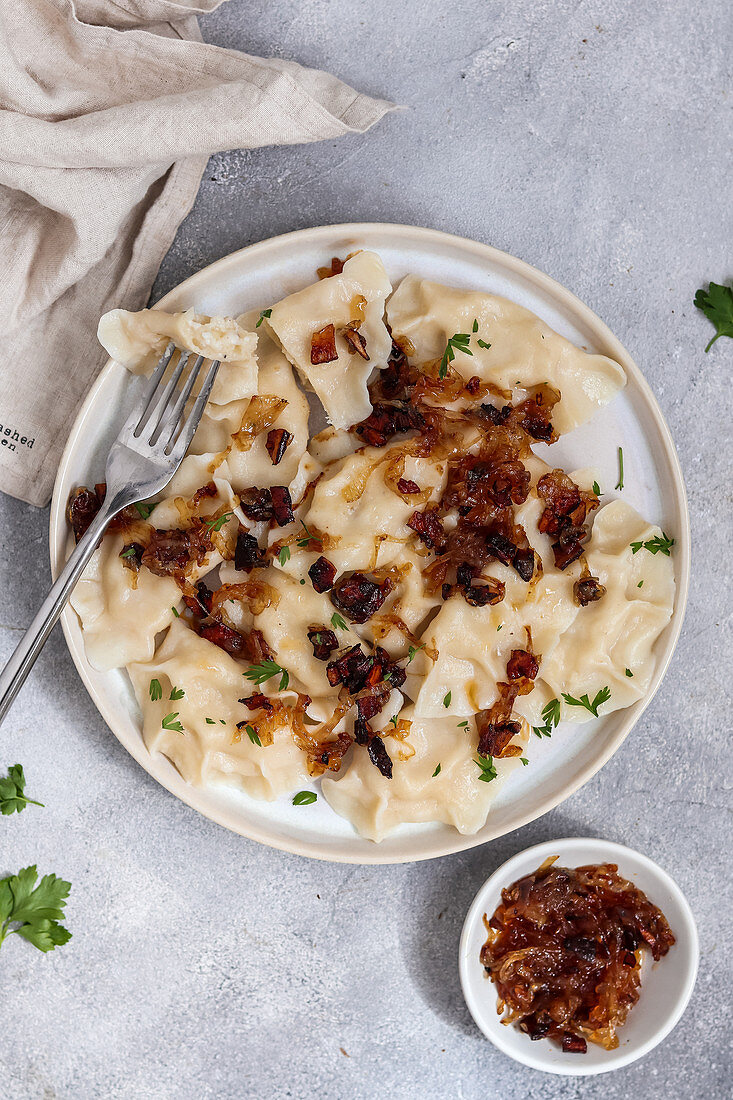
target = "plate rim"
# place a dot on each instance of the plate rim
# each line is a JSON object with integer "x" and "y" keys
{"x": 438, "y": 846}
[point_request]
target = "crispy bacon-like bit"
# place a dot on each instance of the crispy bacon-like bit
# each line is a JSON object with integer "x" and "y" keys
{"x": 379, "y": 756}
{"x": 355, "y": 340}
{"x": 574, "y": 1044}
{"x": 132, "y": 555}
{"x": 494, "y": 737}
{"x": 323, "y": 641}
{"x": 473, "y": 385}
{"x": 408, "y": 487}
{"x": 351, "y": 669}
{"x": 82, "y": 508}
{"x": 203, "y": 493}
{"x": 386, "y": 421}
{"x": 358, "y": 597}
{"x": 322, "y": 574}
{"x": 588, "y": 590}
{"x": 256, "y": 504}
{"x": 174, "y": 552}
{"x": 566, "y": 552}
{"x": 258, "y": 701}
{"x": 479, "y": 595}
{"x": 323, "y": 345}
{"x": 282, "y": 505}
{"x": 428, "y": 527}
{"x": 278, "y": 441}
{"x": 229, "y": 639}
{"x": 524, "y": 563}
{"x": 501, "y": 548}
{"x": 247, "y": 552}
{"x": 522, "y": 663}
{"x": 199, "y": 600}
{"x": 337, "y": 266}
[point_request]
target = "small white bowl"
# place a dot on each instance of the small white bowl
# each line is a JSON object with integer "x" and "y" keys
{"x": 666, "y": 985}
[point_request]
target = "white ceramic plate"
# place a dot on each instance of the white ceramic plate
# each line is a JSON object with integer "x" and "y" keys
{"x": 262, "y": 274}
{"x": 666, "y": 986}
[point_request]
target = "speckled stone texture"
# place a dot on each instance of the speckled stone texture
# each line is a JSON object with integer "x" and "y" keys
{"x": 594, "y": 141}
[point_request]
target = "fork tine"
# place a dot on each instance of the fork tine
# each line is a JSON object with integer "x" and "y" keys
{"x": 153, "y": 425}
{"x": 173, "y": 417}
{"x": 177, "y": 450}
{"x": 143, "y": 404}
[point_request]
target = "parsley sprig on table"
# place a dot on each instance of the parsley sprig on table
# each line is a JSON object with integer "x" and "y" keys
{"x": 717, "y": 304}
{"x": 265, "y": 670}
{"x": 602, "y": 697}
{"x": 12, "y": 797}
{"x": 459, "y": 341}
{"x": 551, "y": 715}
{"x": 34, "y": 910}
{"x": 660, "y": 544}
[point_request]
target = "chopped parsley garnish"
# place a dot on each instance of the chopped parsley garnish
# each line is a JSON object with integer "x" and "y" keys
{"x": 463, "y": 725}
{"x": 660, "y": 544}
{"x": 551, "y": 715}
{"x": 596, "y": 488}
{"x": 36, "y": 911}
{"x": 717, "y": 304}
{"x": 223, "y": 721}
{"x": 602, "y": 697}
{"x": 436, "y": 772}
{"x": 265, "y": 313}
{"x": 413, "y": 651}
{"x": 218, "y": 523}
{"x": 170, "y": 723}
{"x": 640, "y": 582}
{"x": 483, "y": 344}
{"x": 176, "y": 612}
{"x": 458, "y": 342}
{"x": 304, "y": 798}
{"x": 393, "y": 721}
{"x": 446, "y": 700}
{"x": 337, "y": 622}
{"x": 620, "y": 483}
{"x": 144, "y": 509}
{"x": 499, "y": 627}
{"x": 265, "y": 670}
{"x": 12, "y": 797}
{"x": 307, "y": 537}
{"x": 155, "y": 690}
{"x": 129, "y": 553}
{"x": 253, "y": 735}
{"x": 524, "y": 760}
{"x": 302, "y": 581}
{"x": 486, "y": 765}
{"x": 475, "y": 325}
{"x": 284, "y": 555}
{"x": 176, "y": 694}
{"x": 629, "y": 673}
{"x": 210, "y": 722}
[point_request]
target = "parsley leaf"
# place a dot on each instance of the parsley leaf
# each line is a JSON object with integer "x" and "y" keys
{"x": 463, "y": 725}
{"x": 639, "y": 585}
{"x": 36, "y": 911}
{"x": 413, "y": 651}
{"x": 176, "y": 612}
{"x": 436, "y": 772}
{"x": 337, "y": 622}
{"x": 253, "y": 735}
{"x": 129, "y": 553}
{"x": 629, "y": 673}
{"x": 155, "y": 690}
{"x": 12, "y": 798}
{"x": 265, "y": 313}
{"x": 307, "y": 537}
{"x": 596, "y": 488}
{"x": 393, "y": 721}
{"x": 176, "y": 694}
{"x": 458, "y": 342}
{"x": 488, "y": 771}
{"x": 483, "y": 344}
{"x": 210, "y": 722}
{"x": 144, "y": 509}
{"x": 284, "y": 555}
{"x": 475, "y": 325}
{"x": 659, "y": 544}
{"x": 446, "y": 699}
{"x": 170, "y": 723}
{"x": 265, "y": 670}
{"x": 524, "y": 760}
{"x": 620, "y": 483}
{"x": 216, "y": 523}
{"x": 602, "y": 697}
{"x": 551, "y": 715}
{"x": 304, "y": 798}
{"x": 717, "y": 305}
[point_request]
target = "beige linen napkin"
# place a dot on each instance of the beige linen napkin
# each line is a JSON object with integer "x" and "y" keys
{"x": 110, "y": 109}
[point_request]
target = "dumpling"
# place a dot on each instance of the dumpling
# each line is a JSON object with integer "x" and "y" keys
{"x": 456, "y": 796}
{"x": 616, "y": 635}
{"x": 357, "y": 294}
{"x": 137, "y": 340}
{"x": 524, "y": 351}
{"x": 210, "y": 749}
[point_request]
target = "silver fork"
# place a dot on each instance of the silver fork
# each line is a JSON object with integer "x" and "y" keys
{"x": 143, "y": 459}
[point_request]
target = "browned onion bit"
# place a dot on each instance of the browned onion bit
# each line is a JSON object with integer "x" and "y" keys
{"x": 524, "y": 563}
{"x": 278, "y": 441}
{"x": 379, "y": 756}
{"x": 324, "y": 642}
{"x": 82, "y": 508}
{"x": 428, "y": 527}
{"x": 227, "y": 638}
{"x": 588, "y": 590}
{"x": 355, "y": 340}
{"x": 386, "y": 421}
{"x": 473, "y": 385}
{"x": 337, "y": 266}
{"x": 258, "y": 701}
{"x": 358, "y": 597}
{"x": 494, "y": 736}
{"x": 200, "y": 600}
{"x": 132, "y": 555}
{"x": 172, "y": 553}
{"x": 323, "y": 345}
{"x": 322, "y": 574}
{"x": 407, "y": 487}
{"x": 522, "y": 663}
{"x": 561, "y": 951}
{"x": 282, "y": 505}
{"x": 256, "y": 504}
{"x": 350, "y": 669}
{"x": 247, "y": 552}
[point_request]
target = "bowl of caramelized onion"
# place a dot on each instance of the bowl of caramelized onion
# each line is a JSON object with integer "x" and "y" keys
{"x": 578, "y": 956}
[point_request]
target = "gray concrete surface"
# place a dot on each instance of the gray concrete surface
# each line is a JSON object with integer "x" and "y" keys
{"x": 594, "y": 141}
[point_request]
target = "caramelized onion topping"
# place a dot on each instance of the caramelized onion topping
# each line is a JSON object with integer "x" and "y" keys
{"x": 322, "y": 574}
{"x": 323, "y": 346}
{"x": 564, "y": 951}
{"x": 355, "y": 340}
{"x": 278, "y": 441}
{"x": 82, "y": 508}
{"x": 247, "y": 553}
{"x": 358, "y": 597}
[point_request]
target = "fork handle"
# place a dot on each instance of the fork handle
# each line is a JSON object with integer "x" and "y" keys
{"x": 13, "y": 675}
